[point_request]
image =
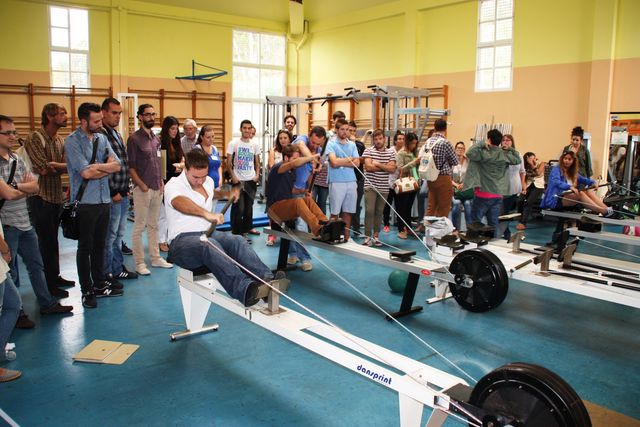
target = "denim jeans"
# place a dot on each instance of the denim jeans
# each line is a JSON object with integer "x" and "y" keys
{"x": 489, "y": 207}
{"x": 45, "y": 218}
{"x": 187, "y": 251}
{"x": 113, "y": 259}
{"x": 456, "y": 212}
{"x": 10, "y": 304}
{"x": 295, "y": 248}
{"x": 423, "y": 193}
{"x": 320, "y": 195}
{"x": 25, "y": 244}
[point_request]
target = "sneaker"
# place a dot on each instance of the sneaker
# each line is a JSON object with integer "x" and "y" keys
{"x": 163, "y": 247}
{"x": 367, "y": 242}
{"x": 125, "y": 249}
{"x": 402, "y": 235}
{"x": 107, "y": 291}
{"x": 142, "y": 270}
{"x": 271, "y": 240}
{"x": 254, "y": 232}
{"x": 58, "y": 293}
{"x": 57, "y": 309}
{"x": 252, "y": 296}
{"x": 377, "y": 243}
{"x": 10, "y": 355}
{"x": 64, "y": 283}
{"x": 24, "y": 322}
{"x": 161, "y": 263}
{"x": 306, "y": 265}
{"x": 113, "y": 283}
{"x": 126, "y": 274}
{"x": 292, "y": 260}
{"x": 9, "y": 375}
{"x": 89, "y": 300}
{"x": 521, "y": 227}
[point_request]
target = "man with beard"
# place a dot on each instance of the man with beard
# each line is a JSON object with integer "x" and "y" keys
{"x": 143, "y": 150}
{"x": 95, "y": 203}
{"x": 46, "y": 152}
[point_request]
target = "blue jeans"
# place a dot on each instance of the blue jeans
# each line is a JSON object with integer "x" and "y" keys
{"x": 113, "y": 259}
{"x": 295, "y": 248}
{"x": 456, "y": 212}
{"x": 320, "y": 195}
{"x": 489, "y": 207}
{"x": 25, "y": 244}
{"x": 188, "y": 252}
{"x": 10, "y": 304}
{"x": 423, "y": 193}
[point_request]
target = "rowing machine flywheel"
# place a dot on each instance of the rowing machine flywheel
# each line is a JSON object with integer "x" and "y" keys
{"x": 522, "y": 394}
{"x": 480, "y": 280}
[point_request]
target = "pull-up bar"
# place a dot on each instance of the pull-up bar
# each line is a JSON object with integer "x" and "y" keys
{"x": 206, "y": 77}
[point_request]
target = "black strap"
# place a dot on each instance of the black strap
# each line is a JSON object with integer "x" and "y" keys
{"x": 86, "y": 181}
{"x": 11, "y": 175}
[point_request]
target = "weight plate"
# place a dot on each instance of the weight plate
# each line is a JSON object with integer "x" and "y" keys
{"x": 481, "y": 281}
{"x": 522, "y": 394}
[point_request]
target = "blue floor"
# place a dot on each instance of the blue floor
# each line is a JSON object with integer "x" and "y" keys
{"x": 244, "y": 376}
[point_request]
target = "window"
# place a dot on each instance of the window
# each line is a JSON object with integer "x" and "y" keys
{"x": 259, "y": 70}
{"x": 495, "y": 45}
{"x": 69, "y": 35}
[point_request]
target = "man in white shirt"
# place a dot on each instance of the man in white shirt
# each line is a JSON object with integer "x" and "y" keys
{"x": 188, "y": 202}
{"x": 243, "y": 161}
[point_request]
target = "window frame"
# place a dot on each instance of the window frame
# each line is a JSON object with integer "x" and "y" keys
{"x": 257, "y": 66}
{"x": 493, "y": 44}
{"x": 68, "y": 50}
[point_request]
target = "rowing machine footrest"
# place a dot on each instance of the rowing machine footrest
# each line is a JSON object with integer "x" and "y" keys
{"x": 402, "y": 256}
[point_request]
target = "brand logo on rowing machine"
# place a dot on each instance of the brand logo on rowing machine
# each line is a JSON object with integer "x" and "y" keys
{"x": 374, "y": 375}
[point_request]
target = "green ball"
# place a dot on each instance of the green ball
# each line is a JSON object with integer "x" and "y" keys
{"x": 398, "y": 280}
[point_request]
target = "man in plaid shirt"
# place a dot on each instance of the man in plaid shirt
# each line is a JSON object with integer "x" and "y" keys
{"x": 119, "y": 185}
{"x": 441, "y": 190}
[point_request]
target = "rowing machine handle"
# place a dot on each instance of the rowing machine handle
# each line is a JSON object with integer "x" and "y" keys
{"x": 214, "y": 224}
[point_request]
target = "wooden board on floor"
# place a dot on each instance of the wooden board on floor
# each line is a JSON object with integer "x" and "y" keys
{"x": 107, "y": 352}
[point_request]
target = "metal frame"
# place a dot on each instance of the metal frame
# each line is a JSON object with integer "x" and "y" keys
{"x": 418, "y": 385}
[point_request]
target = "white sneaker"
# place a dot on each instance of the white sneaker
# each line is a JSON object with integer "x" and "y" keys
{"x": 161, "y": 263}
{"x": 367, "y": 242}
{"x": 292, "y": 260}
{"x": 142, "y": 270}
{"x": 306, "y": 265}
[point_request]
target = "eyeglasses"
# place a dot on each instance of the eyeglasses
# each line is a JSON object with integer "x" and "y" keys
{"x": 9, "y": 132}
{"x": 148, "y": 114}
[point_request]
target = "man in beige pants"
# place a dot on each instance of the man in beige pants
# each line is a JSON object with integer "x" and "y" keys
{"x": 143, "y": 150}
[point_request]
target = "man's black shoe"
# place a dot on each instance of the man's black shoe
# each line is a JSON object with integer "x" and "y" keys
{"x": 58, "y": 293}
{"x": 64, "y": 283}
{"x": 113, "y": 283}
{"x": 89, "y": 300}
{"x": 126, "y": 274}
{"x": 125, "y": 249}
{"x": 24, "y": 322}
{"x": 107, "y": 291}
{"x": 57, "y": 309}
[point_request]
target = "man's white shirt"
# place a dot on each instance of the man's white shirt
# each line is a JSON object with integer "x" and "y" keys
{"x": 177, "y": 221}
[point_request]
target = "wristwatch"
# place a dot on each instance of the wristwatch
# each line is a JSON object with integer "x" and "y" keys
{"x": 14, "y": 185}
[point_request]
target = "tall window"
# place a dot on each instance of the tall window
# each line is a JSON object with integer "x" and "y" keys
{"x": 495, "y": 45}
{"x": 69, "y": 35}
{"x": 259, "y": 70}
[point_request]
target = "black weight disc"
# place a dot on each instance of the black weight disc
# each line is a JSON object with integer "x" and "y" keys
{"x": 481, "y": 281}
{"x": 523, "y": 394}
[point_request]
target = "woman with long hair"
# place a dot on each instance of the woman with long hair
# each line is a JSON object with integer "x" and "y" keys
{"x": 565, "y": 178}
{"x": 170, "y": 142}
{"x": 534, "y": 186}
{"x": 516, "y": 176}
{"x": 283, "y": 138}
{"x": 461, "y": 200}
{"x": 205, "y": 143}
{"x": 407, "y": 162}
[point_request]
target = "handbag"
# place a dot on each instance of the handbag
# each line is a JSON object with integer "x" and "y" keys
{"x": 405, "y": 185}
{"x": 69, "y": 215}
